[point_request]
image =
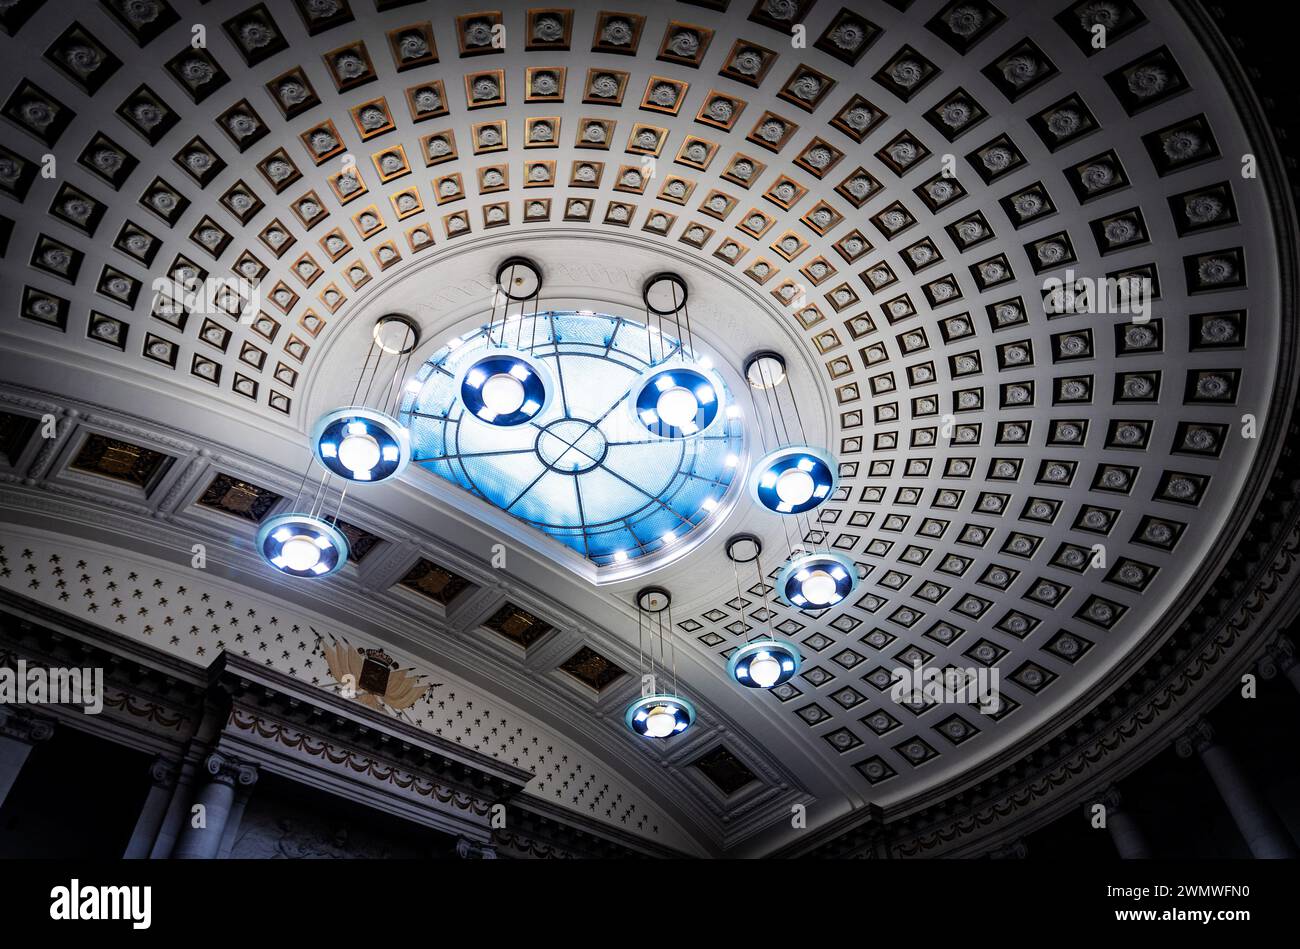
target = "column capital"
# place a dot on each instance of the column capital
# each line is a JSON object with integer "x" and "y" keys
{"x": 229, "y": 771}
{"x": 22, "y": 725}
{"x": 163, "y": 772}
{"x": 1111, "y": 799}
{"x": 1195, "y": 739}
{"x": 1279, "y": 657}
{"x": 467, "y": 849}
{"x": 1017, "y": 850}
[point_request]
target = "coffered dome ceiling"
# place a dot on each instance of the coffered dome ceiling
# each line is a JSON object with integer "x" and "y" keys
{"x": 1026, "y": 483}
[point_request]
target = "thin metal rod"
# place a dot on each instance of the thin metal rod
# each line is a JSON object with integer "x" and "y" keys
{"x": 364, "y": 367}
{"x": 686, "y": 309}
{"x": 744, "y": 626}
{"x": 803, "y": 437}
{"x": 374, "y": 374}
{"x": 400, "y": 362}
{"x": 532, "y": 346}
{"x": 776, "y": 436}
{"x": 314, "y": 511}
{"x": 492, "y": 317}
{"x": 649, "y": 337}
{"x": 763, "y": 586}
{"x": 662, "y": 654}
{"x": 672, "y": 643}
{"x": 297, "y": 497}
{"x": 677, "y": 316}
{"x": 338, "y": 509}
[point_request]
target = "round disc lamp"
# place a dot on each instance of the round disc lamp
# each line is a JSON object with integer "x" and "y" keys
{"x": 817, "y": 581}
{"x": 301, "y": 545}
{"x": 361, "y": 444}
{"x": 793, "y": 479}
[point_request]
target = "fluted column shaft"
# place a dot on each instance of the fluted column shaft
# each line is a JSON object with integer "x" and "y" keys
{"x": 217, "y": 795}
{"x": 19, "y": 731}
{"x": 1264, "y": 834}
{"x": 162, "y": 780}
{"x": 1125, "y": 832}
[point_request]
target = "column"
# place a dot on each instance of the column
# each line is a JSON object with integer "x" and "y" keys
{"x": 1130, "y": 843}
{"x": 217, "y": 795}
{"x": 1281, "y": 657}
{"x": 19, "y": 730}
{"x": 189, "y": 774}
{"x": 233, "y": 821}
{"x": 162, "y": 779}
{"x": 1259, "y": 826}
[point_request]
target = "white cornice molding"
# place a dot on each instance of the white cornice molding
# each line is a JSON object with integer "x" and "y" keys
{"x": 756, "y": 725}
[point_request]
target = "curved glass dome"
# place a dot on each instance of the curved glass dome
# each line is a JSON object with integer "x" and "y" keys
{"x": 581, "y": 470}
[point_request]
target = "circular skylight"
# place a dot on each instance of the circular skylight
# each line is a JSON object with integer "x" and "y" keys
{"x": 585, "y": 469}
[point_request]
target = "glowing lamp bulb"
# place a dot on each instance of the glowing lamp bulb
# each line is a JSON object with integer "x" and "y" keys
{"x": 300, "y": 553}
{"x": 819, "y": 587}
{"x": 503, "y": 393}
{"x": 795, "y": 486}
{"x": 677, "y": 406}
{"x": 660, "y": 723}
{"x": 359, "y": 452}
{"x": 765, "y": 670}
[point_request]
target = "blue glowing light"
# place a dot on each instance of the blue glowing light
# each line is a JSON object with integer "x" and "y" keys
{"x": 361, "y": 444}
{"x": 299, "y": 545}
{"x": 502, "y": 388}
{"x": 659, "y": 716}
{"x": 817, "y": 581}
{"x": 676, "y": 402}
{"x": 764, "y": 664}
{"x": 793, "y": 479}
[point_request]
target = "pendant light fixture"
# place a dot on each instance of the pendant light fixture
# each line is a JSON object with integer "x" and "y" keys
{"x": 765, "y": 662}
{"x": 506, "y": 387}
{"x": 678, "y": 396}
{"x": 660, "y": 712}
{"x": 302, "y": 545}
{"x": 362, "y": 441}
{"x": 792, "y": 479}
{"x": 358, "y": 443}
{"x": 817, "y": 580}
{"x": 306, "y": 542}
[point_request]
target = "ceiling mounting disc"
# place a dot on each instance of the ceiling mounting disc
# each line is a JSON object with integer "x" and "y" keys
{"x": 653, "y": 599}
{"x": 396, "y": 334}
{"x": 765, "y": 369}
{"x": 664, "y": 293}
{"x": 744, "y": 548}
{"x": 519, "y": 279}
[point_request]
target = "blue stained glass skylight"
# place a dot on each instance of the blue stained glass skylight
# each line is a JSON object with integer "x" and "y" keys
{"x": 584, "y": 470}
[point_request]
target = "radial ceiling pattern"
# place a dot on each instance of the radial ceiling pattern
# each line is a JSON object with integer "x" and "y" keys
{"x": 1027, "y": 480}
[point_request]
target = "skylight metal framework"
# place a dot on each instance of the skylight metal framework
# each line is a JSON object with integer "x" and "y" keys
{"x": 581, "y": 471}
